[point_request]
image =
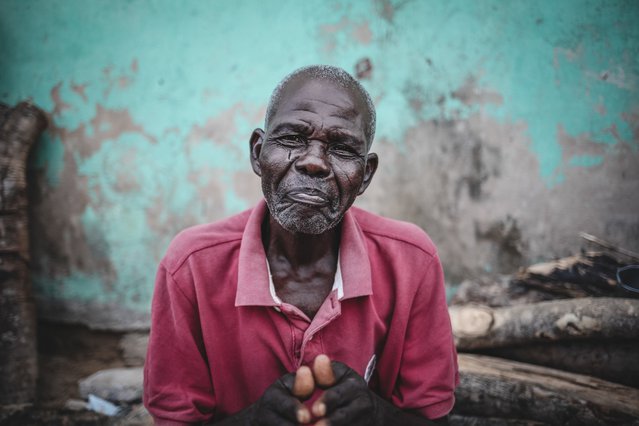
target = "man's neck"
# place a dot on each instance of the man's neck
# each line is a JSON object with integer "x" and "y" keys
{"x": 298, "y": 249}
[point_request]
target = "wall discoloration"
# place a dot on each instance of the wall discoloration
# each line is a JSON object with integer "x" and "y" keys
{"x": 504, "y": 128}
{"x": 470, "y": 94}
{"x": 59, "y": 105}
{"x": 219, "y": 129}
{"x": 355, "y": 31}
{"x": 58, "y": 237}
{"x": 503, "y": 217}
{"x": 632, "y": 119}
{"x": 362, "y": 33}
{"x": 80, "y": 89}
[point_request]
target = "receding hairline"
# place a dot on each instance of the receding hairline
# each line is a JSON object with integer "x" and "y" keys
{"x": 331, "y": 74}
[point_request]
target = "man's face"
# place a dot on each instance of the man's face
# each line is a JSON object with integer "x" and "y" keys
{"x": 313, "y": 157}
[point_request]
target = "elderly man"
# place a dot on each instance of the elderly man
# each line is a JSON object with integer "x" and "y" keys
{"x": 303, "y": 310}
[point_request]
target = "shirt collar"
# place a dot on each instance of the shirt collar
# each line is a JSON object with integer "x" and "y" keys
{"x": 353, "y": 273}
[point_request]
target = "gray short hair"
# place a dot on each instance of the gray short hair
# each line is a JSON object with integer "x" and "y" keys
{"x": 330, "y": 73}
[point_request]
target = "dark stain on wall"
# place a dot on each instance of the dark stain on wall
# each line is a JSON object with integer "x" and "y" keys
{"x": 364, "y": 68}
{"x": 59, "y": 243}
{"x": 507, "y": 238}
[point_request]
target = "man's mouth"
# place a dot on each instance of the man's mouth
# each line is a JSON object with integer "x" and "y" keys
{"x": 308, "y": 196}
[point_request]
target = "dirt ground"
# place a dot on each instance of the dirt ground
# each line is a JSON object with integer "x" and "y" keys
{"x": 66, "y": 354}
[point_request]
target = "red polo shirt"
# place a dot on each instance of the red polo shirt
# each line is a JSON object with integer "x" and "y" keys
{"x": 219, "y": 338}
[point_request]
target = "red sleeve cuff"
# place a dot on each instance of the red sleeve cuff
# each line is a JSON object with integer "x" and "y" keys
{"x": 439, "y": 409}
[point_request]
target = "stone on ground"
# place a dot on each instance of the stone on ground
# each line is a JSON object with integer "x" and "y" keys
{"x": 115, "y": 385}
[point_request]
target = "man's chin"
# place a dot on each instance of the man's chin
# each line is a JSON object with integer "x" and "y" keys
{"x": 306, "y": 227}
{"x": 304, "y": 224}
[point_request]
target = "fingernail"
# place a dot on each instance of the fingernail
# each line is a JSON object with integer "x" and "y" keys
{"x": 303, "y": 416}
{"x": 319, "y": 409}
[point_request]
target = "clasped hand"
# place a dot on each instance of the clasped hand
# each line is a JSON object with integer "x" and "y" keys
{"x": 346, "y": 399}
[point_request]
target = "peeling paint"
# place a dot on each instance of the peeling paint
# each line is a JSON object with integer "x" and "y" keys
{"x": 362, "y": 33}
{"x": 219, "y": 129}
{"x": 60, "y": 105}
{"x": 80, "y": 89}
{"x": 358, "y": 31}
{"x": 580, "y": 145}
{"x": 586, "y": 160}
{"x": 470, "y": 94}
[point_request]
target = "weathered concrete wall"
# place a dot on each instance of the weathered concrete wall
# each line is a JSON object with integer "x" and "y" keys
{"x": 505, "y": 128}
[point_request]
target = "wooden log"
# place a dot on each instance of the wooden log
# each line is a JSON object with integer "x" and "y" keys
{"x": 591, "y": 274}
{"x": 588, "y": 274}
{"x": 630, "y": 255}
{"x": 497, "y": 292}
{"x": 614, "y": 361}
{"x": 493, "y": 387}
{"x": 477, "y": 327}
{"x": 457, "y": 420}
{"x": 19, "y": 128}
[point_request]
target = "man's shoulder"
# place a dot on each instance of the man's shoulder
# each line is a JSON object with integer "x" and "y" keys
{"x": 205, "y": 236}
{"x": 380, "y": 227}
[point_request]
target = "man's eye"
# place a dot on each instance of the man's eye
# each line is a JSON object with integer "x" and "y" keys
{"x": 343, "y": 151}
{"x": 292, "y": 141}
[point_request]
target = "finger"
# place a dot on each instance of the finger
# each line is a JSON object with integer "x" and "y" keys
{"x": 273, "y": 418}
{"x": 287, "y": 381}
{"x": 278, "y": 402}
{"x": 304, "y": 384}
{"x": 323, "y": 422}
{"x": 295, "y": 383}
{"x": 319, "y": 407}
{"x": 328, "y": 402}
{"x": 323, "y": 371}
{"x": 303, "y": 414}
{"x": 350, "y": 389}
{"x": 358, "y": 412}
{"x": 341, "y": 371}
{"x": 277, "y": 415}
{"x": 293, "y": 410}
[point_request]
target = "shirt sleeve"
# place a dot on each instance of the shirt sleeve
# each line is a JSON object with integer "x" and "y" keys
{"x": 428, "y": 373}
{"x": 177, "y": 381}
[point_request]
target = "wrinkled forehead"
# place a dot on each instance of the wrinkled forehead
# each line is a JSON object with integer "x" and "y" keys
{"x": 304, "y": 92}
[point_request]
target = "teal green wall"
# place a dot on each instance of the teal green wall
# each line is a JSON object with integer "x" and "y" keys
{"x": 151, "y": 104}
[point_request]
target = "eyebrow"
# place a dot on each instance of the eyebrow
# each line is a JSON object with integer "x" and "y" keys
{"x": 302, "y": 128}
{"x": 348, "y": 113}
{"x": 334, "y": 133}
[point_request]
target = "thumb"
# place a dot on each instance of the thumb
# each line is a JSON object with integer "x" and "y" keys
{"x": 323, "y": 371}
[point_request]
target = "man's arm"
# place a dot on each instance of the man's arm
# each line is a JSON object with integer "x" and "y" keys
{"x": 427, "y": 375}
{"x": 177, "y": 384}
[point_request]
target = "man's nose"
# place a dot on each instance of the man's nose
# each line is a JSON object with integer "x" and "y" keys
{"x": 314, "y": 160}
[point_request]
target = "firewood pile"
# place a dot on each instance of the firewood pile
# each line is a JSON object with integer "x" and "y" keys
{"x": 555, "y": 343}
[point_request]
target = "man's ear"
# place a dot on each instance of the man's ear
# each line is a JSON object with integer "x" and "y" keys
{"x": 256, "y": 142}
{"x": 371, "y": 167}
